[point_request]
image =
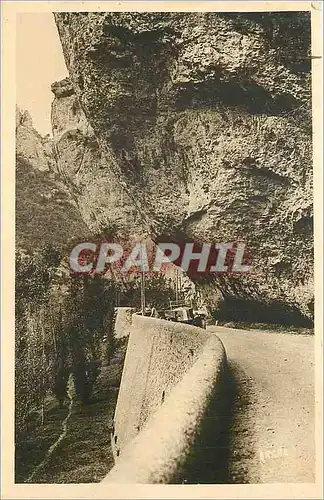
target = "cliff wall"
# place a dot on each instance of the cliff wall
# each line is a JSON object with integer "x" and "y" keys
{"x": 204, "y": 120}
{"x": 46, "y": 213}
{"x": 102, "y": 200}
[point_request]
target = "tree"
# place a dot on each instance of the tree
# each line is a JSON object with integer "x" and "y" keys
{"x": 60, "y": 326}
{"x": 90, "y": 311}
{"x": 34, "y": 275}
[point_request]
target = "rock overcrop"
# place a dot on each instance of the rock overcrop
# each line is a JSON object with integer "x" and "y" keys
{"x": 197, "y": 127}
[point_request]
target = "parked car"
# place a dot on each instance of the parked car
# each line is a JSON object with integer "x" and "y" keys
{"x": 185, "y": 315}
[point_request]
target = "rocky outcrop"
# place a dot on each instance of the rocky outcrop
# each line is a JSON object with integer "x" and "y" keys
{"x": 103, "y": 202}
{"x": 204, "y": 120}
{"x": 30, "y": 145}
{"x": 46, "y": 213}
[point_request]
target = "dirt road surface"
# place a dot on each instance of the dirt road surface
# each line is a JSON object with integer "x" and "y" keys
{"x": 271, "y": 437}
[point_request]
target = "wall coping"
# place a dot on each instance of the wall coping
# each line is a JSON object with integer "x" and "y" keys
{"x": 159, "y": 451}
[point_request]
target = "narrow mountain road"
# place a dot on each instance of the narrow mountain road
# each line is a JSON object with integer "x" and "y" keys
{"x": 272, "y": 429}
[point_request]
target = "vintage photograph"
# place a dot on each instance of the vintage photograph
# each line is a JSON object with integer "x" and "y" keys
{"x": 164, "y": 248}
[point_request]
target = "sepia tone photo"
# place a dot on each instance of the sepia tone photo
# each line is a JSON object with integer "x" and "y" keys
{"x": 164, "y": 247}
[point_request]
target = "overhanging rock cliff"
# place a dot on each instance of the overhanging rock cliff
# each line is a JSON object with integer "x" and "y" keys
{"x": 204, "y": 120}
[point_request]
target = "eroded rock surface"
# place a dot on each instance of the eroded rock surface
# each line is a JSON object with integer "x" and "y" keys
{"x": 46, "y": 215}
{"x": 103, "y": 201}
{"x": 30, "y": 145}
{"x": 204, "y": 119}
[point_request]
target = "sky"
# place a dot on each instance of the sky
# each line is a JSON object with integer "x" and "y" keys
{"x": 40, "y": 62}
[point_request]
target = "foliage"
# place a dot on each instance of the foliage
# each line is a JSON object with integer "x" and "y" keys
{"x": 59, "y": 330}
{"x": 44, "y": 210}
{"x": 88, "y": 322}
{"x": 33, "y": 278}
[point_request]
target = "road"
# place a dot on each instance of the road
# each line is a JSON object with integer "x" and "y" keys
{"x": 272, "y": 430}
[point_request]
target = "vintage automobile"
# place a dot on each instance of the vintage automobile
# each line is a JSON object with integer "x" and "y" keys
{"x": 186, "y": 315}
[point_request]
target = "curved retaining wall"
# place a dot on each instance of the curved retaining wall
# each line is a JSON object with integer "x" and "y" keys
{"x": 171, "y": 380}
{"x": 123, "y": 321}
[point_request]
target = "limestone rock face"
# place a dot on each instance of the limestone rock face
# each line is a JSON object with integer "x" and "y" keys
{"x": 46, "y": 214}
{"x": 30, "y": 145}
{"x": 103, "y": 202}
{"x": 204, "y": 119}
